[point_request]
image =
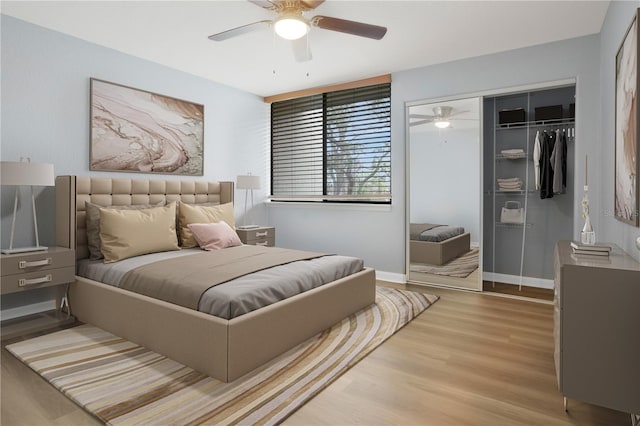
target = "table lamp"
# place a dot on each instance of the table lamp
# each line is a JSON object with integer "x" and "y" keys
{"x": 25, "y": 173}
{"x": 248, "y": 183}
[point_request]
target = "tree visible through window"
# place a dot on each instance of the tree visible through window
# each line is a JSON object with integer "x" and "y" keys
{"x": 333, "y": 147}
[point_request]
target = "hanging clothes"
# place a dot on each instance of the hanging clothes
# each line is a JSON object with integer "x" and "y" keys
{"x": 546, "y": 170}
{"x": 559, "y": 163}
{"x": 536, "y": 160}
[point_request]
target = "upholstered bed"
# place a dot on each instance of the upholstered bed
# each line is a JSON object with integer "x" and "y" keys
{"x": 446, "y": 244}
{"x": 222, "y": 348}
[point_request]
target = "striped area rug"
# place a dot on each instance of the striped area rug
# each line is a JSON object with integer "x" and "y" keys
{"x": 460, "y": 267}
{"x": 122, "y": 383}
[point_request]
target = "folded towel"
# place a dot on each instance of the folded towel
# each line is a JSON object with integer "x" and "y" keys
{"x": 512, "y": 151}
{"x": 519, "y": 155}
{"x": 509, "y": 180}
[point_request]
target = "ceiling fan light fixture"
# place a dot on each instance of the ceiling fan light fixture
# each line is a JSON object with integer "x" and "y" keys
{"x": 442, "y": 123}
{"x": 291, "y": 27}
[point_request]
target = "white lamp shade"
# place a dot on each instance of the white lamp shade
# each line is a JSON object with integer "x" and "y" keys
{"x": 248, "y": 182}
{"x": 26, "y": 174}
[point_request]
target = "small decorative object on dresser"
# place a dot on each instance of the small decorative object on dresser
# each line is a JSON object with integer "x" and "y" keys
{"x": 588, "y": 235}
{"x": 27, "y": 271}
{"x": 260, "y": 236}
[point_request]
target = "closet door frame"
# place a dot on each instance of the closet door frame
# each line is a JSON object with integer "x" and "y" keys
{"x": 408, "y": 106}
{"x": 481, "y": 95}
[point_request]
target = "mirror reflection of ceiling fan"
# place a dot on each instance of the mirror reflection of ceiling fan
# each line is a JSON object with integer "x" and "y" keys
{"x": 441, "y": 118}
{"x": 291, "y": 24}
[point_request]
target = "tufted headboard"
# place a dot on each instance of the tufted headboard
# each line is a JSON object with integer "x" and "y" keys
{"x": 73, "y": 191}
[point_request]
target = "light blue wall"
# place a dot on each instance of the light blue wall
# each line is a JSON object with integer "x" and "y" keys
{"x": 616, "y": 23}
{"x": 378, "y": 235}
{"x": 45, "y": 110}
{"x": 45, "y": 115}
{"x": 443, "y": 183}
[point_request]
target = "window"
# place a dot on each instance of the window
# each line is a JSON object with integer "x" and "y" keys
{"x": 333, "y": 146}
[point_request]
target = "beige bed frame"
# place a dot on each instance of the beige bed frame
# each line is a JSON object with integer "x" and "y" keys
{"x": 441, "y": 252}
{"x": 223, "y": 349}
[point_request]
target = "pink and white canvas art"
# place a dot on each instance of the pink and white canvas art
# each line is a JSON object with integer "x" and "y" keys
{"x": 626, "y": 130}
{"x": 138, "y": 131}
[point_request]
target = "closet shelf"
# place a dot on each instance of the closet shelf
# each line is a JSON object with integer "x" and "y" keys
{"x": 536, "y": 124}
{"x": 513, "y": 225}
{"x": 504, "y": 157}
{"x": 520, "y": 192}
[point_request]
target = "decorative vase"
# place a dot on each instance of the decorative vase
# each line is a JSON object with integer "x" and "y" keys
{"x": 588, "y": 235}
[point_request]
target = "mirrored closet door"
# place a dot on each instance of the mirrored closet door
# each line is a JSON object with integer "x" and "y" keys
{"x": 444, "y": 193}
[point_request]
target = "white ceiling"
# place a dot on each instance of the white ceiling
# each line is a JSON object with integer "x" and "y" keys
{"x": 420, "y": 33}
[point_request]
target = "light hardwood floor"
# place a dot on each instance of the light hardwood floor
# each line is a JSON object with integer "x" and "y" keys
{"x": 470, "y": 359}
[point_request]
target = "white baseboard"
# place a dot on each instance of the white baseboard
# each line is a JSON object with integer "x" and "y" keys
{"x": 515, "y": 279}
{"x": 27, "y": 310}
{"x": 488, "y": 276}
{"x": 391, "y": 277}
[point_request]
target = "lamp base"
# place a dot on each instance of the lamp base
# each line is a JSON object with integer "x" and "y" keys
{"x": 248, "y": 226}
{"x": 24, "y": 249}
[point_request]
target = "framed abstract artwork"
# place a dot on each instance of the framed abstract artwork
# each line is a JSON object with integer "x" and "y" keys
{"x": 133, "y": 130}
{"x": 627, "y": 167}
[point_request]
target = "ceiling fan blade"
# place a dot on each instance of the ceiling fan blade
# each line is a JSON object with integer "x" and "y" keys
{"x": 422, "y": 116}
{"x": 301, "y": 50}
{"x": 453, "y": 114}
{"x": 311, "y": 4}
{"x": 264, "y": 3}
{"x": 239, "y": 30}
{"x": 420, "y": 122}
{"x": 350, "y": 27}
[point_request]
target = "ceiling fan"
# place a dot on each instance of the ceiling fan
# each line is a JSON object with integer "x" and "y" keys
{"x": 441, "y": 118}
{"x": 291, "y": 24}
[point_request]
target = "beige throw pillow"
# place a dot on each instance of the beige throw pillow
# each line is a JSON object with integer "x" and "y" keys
{"x": 128, "y": 233}
{"x": 93, "y": 224}
{"x": 193, "y": 213}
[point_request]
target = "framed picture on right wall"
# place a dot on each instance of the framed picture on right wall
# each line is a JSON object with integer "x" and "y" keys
{"x": 627, "y": 166}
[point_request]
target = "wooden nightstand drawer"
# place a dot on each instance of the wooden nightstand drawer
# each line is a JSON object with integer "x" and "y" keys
{"x": 53, "y": 258}
{"x": 269, "y": 242}
{"x": 256, "y": 233}
{"x": 262, "y": 236}
{"x": 37, "y": 279}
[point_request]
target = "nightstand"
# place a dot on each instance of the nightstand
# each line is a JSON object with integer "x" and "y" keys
{"x": 261, "y": 236}
{"x": 27, "y": 271}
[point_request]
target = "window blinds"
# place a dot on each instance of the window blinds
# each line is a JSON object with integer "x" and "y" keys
{"x": 333, "y": 147}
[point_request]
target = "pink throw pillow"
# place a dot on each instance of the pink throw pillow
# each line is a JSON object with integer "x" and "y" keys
{"x": 214, "y": 236}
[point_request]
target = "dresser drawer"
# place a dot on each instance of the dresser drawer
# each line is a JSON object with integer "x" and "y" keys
{"x": 38, "y": 261}
{"x": 37, "y": 279}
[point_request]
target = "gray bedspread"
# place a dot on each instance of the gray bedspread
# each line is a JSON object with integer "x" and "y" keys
{"x": 241, "y": 295}
{"x": 433, "y": 233}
